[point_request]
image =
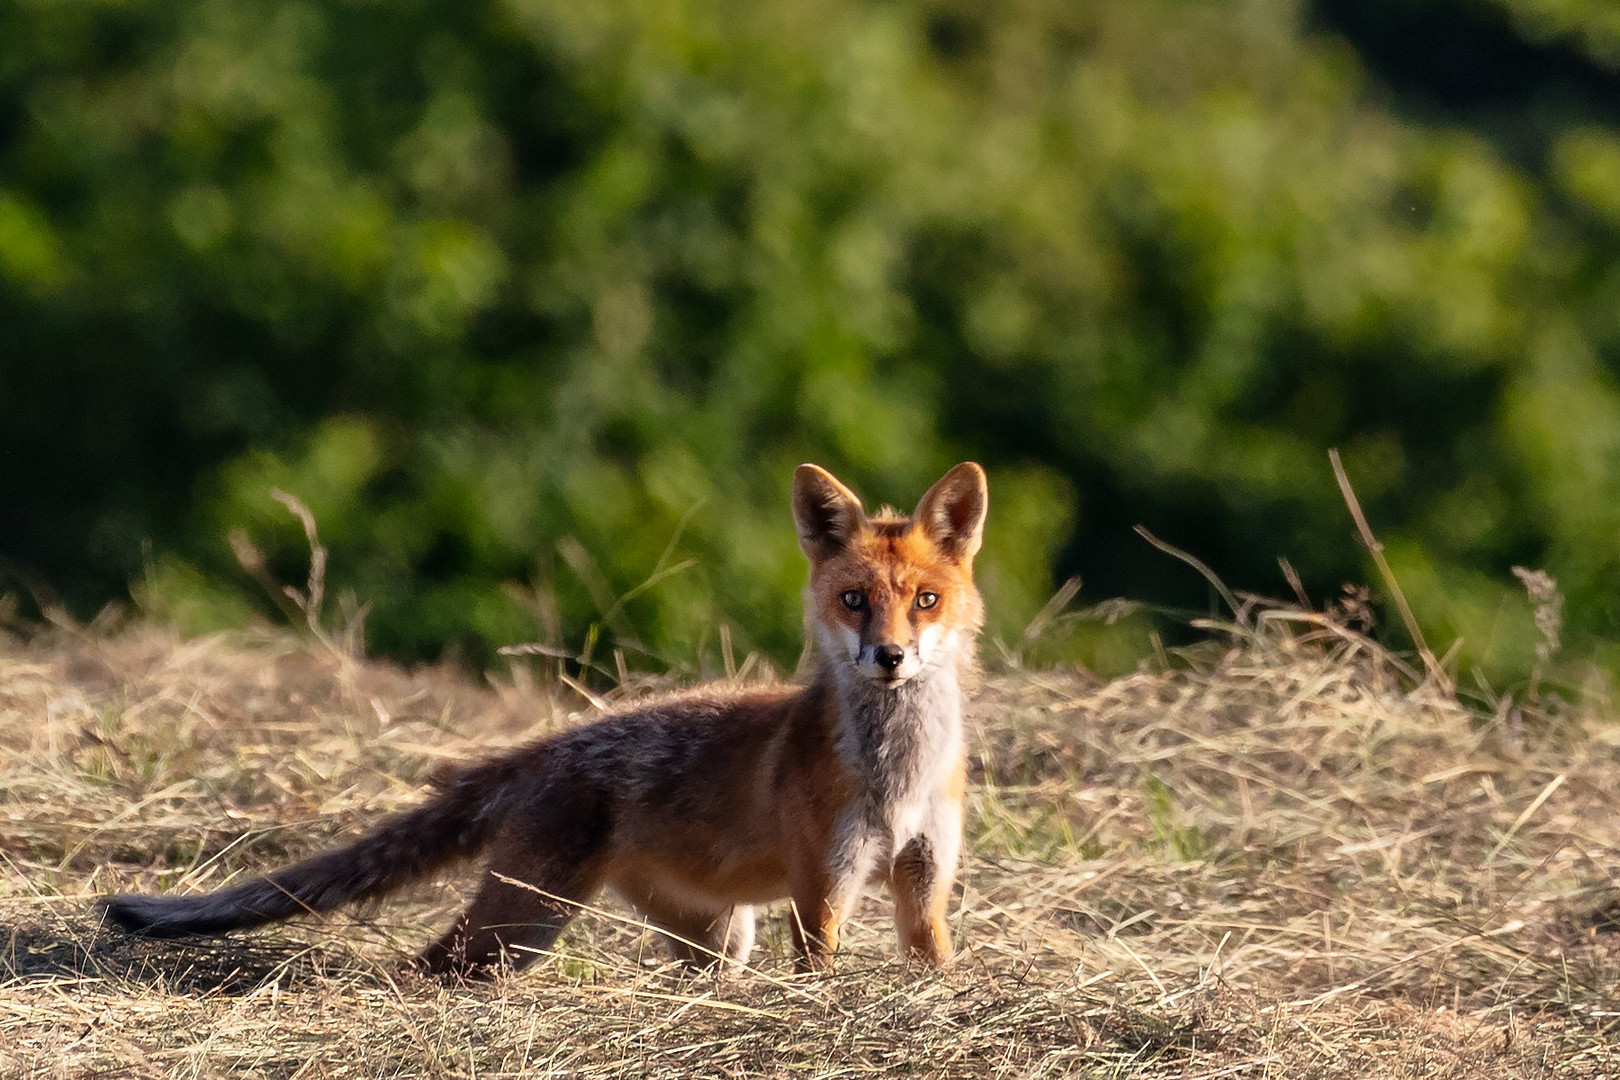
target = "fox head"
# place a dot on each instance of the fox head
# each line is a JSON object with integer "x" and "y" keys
{"x": 891, "y": 596}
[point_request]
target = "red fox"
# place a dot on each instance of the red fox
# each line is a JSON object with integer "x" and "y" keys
{"x": 698, "y": 806}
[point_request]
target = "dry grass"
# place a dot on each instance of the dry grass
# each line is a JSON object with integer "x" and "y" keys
{"x": 1278, "y": 863}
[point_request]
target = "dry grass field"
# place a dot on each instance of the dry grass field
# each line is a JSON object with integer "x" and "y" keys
{"x": 1281, "y": 860}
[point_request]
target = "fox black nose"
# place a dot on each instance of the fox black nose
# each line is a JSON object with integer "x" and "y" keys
{"x": 888, "y": 656}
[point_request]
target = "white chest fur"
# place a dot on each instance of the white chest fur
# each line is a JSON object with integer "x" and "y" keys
{"x": 903, "y": 743}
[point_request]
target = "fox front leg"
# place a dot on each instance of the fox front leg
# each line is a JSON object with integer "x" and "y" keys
{"x": 921, "y": 877}
{"x": 921, "y": 883}
{"x": 824, "y": 896}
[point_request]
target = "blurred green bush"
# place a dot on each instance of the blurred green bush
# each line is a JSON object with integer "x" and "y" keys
{"x": 533, "y": 301}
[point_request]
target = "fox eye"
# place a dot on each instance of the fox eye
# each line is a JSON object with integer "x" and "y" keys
{"x": 927, "y": 599}
{"x": 853, "y": 599}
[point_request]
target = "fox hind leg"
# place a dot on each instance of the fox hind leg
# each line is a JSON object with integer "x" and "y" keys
{"x": 739, "y": 934}
{"x": 702, "y": 937}
{"x": 703, "y": 942}
{"x": 520, "y": 909}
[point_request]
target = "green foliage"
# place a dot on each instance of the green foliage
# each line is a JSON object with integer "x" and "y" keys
{"x": 1594, "y": 25}
{"x": 537, "y": 303}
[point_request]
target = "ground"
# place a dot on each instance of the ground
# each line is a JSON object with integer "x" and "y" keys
{"x": 1277, "y": 857}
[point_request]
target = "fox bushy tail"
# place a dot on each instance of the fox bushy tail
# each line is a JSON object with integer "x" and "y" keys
{"x": 454, "y": 825}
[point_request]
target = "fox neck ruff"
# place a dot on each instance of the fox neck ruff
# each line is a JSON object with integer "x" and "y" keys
{"x": 901, "y": 741}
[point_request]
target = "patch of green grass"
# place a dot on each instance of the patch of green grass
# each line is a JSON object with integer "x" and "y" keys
{"x": 1185, "y": 843}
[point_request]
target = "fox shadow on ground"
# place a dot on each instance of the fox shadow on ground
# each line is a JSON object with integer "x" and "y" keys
{"x": 82, "y": 948}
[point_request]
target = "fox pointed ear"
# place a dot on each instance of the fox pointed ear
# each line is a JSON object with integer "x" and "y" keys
{"x": 952, "y": 512}
{"x": 826, "y": 512}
